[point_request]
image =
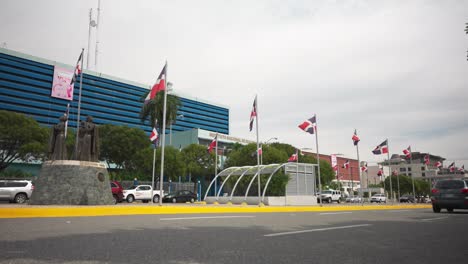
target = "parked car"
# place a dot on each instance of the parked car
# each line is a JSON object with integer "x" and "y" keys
{"x": 330, "y": 196}
{"x": 353, "y": 199}
{"x": 180, "y": 197}
{"x": 378, "y": 198}
{"x": 117, "y": 191}
{"x": 450, "y": 194}
{"x": 407, "y": 199}
{"x": 17, "y": 191}
{"x": 141, "y": 192}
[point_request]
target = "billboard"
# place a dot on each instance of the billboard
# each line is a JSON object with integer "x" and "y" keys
{"x": 61, "y": 87}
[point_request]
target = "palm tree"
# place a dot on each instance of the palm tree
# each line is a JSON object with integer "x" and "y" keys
{"x": 155, "y": 108}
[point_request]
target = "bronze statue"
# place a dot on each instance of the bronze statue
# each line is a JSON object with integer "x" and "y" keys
{"x": 57, "y": 144}
{"x": 88, "y": 149}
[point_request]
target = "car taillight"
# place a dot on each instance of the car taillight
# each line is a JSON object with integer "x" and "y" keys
{"x": 434, "y": 191}
{"x": 32, "y": 187}
{"x": 464, "y": 190}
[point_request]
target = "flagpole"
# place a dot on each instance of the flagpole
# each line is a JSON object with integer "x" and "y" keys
{"x": 152, "y": 179}
{"x": 318, "y": 160}
{"x": 216, "y": 163}
{"x": 390, "y": 167}
{"x": 412, "y": 173}
{"x": 79, "y": 106}
{"x": 66, "y": 122}
{"x": 359, "y": 168}
{"x": 163, "y": 142}
{"x": 352, "y": 179}
{"x": 258, "y": 156}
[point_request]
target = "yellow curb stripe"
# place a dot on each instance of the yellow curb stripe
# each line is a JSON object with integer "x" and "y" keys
{"x": 156, "y": 210}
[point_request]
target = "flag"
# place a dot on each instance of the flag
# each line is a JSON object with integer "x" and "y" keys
{"x": 355, "y": 138}
{"x": 309, "y": 125}
{"x": 381, "y": 149}
{"x": 253, "y": 113}
{"x": 395, "y": 172}
{"x": 260, "y": 152}
{"x": 160, "y": 85}
{"x": 77, "y": 68}
{"x": 380, "y": 172}
{"x": 438, "y": 164}
{"x": 154, "y": 135}
{"x": 293, "y": 157}
{"x": 213, "y": 144}
{"x": 364, "y": 167}
{"x": 462, "y": 168}
{"x": 407, "y": 152}
{"x": 346, "y": 164}
{"x": 452, "y": 167}
{"x": 67, "y": 114}
{"x": 426, "y": 159}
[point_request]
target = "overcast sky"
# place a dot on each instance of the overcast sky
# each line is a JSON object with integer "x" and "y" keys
{"x": 390, "y": 69}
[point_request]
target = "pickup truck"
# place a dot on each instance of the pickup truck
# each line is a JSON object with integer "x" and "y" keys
{"x": 142, "y": 193}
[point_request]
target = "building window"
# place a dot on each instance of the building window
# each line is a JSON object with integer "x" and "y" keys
{"x": 423, "y": 168}
{"x": 409, "y": 174}
{"x": 409, "y": 168}
{"x": 424, "y": 174}
{"x": 402, "y": 169}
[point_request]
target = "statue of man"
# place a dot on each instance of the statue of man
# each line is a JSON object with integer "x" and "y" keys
{"x": 88, "y": 139}
{"x": 57, "y": 146}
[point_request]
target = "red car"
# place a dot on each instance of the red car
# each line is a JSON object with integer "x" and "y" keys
{"x": 117, "y": 191}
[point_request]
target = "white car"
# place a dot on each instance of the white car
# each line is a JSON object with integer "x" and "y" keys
{"x": 18, "y": 191}
{"x": 353, "y": 199}
{"x": 330, "y": 196}
{"x": 378, "y": 198}
{"x": 143, "y": 193}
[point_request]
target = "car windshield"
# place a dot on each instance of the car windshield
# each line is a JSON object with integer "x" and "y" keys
{"x": 131, "y": 188}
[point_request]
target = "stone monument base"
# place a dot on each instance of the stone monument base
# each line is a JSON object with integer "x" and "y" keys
{"x": 72, "y": 182}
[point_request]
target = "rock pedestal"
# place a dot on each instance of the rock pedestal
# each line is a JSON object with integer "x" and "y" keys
{"x": 72, "y": 182}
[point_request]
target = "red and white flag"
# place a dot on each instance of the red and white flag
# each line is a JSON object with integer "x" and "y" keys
{"x": 364, "y": 167}
{"x": 160, "y": 85}
{"x": 382, "y": 148}
{"x": 253, "y": 113}
{"x": 407, "y": 152}
{"x": 212, "y": 144}
{"x": 380, "y": 172}
{"x": 462, "y": 168}
{"x": 426, "y": 159}
{"x": 355, "y": 138}
{"x": 77, "y": 68}
{"x": 310, "y": 125}
{"x": 438, "y": 164}
{"x": 293, "y": 157}
{"x": 346, "y": 164}
{"x": 154, "y": 135}
{"x": 260, "y": 152}
{"x": 452, "y": 167}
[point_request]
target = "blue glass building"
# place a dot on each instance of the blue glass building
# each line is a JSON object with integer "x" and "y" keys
{"x": 26, "y": 83}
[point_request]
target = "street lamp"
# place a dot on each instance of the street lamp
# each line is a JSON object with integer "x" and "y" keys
{"x": 261, "y": 147}
{"x": 170, "y": 128}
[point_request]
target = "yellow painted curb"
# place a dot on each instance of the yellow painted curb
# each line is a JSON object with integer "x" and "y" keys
{"x": 77, "y": 211}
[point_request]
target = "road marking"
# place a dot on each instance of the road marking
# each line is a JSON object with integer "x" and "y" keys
{"x": 436, "y": 218}
{"x": 397, "y": 211}
{"x": 315, "y": 230}
{"x": 335, "y": 213}
{"x": 206, "y": 217}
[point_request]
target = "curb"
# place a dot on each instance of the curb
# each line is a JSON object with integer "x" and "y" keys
{"x": 83, "y": 211}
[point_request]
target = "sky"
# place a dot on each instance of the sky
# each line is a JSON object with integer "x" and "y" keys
{"x": 390, "y": 69}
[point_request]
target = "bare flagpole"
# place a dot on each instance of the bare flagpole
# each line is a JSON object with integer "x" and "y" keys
{"x": 412, "y": 174}
{"x": 391, "y": 172}
{"x": 318, "y": 159}
{"x": 258, "y": 156}
{"x": 359, "y": 168}
{"x": 79, "y": 106}
{"x": 216, "y": 163}
{"x": 163, "y": 142}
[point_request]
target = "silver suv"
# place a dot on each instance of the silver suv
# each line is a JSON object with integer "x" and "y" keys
{"x": 18, "y": 191}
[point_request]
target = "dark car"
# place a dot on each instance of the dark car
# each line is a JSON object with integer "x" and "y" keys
{"x": 450, "y": 194}
{"x": 180, "y": 197}
{"x": 117, "y": 191}
{"x": 407, "y": 199}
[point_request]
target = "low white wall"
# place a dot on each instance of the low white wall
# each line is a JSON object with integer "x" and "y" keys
{"x": 269, "y": 200}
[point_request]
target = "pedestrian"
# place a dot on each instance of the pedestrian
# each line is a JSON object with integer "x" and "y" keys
{"x": 135, "y": 182}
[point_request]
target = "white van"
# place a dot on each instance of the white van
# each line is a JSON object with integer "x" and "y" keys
{"x": 330, "y": 196}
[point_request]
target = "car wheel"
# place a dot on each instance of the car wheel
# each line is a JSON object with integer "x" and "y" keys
{"x": 450, "y": 210}
{"x": 116, "y": 200}
{"x": 329, "y": 200}
{"x": 192, "y": 200}
{"x": 435, "y": 208}
{"x": 130, "y": 199}
{"x": 156, "y": 199}
{"x": 338, "y": 201}
{"x": 20, "y": 198}
{"x": 174, "y": 200}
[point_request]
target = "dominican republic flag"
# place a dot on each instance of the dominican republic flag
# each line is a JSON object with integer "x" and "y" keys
{"x": 462, "y": 168}
{"x": 407, "y": 152}
{"x": 438, "y": 164}
{"x": 346, "y": 164}
{"x": 154, "y": 135}
{"x": 160, "y": 85}
{"x": 381, "y": 149}
{"x": 395, "y": 172}
{"x": 310, "y": 125}
{"x": 426, "y": 159}
{"x": 77, "y": 68}
{"x": 213, "y": 144}
{"x": 380, "y": 172}
{"x": 452, "y": 167}
{"x": 260, "y": 152}
{"x": 293, "y": 157}
{"x": 364, "y": 168}
{"x": 355, "y": 138}
{"x": 253, "y": 113}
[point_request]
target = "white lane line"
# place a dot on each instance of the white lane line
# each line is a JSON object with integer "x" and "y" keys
{"x": 315, "y": 230}
{"x": 436, "y": 218}
{"x": 397, "y": 211}
{"x": 335, "y": 213}
{"x": 206, "y": 217}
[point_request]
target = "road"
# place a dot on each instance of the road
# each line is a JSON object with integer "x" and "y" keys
{"x": 388, "y": 236}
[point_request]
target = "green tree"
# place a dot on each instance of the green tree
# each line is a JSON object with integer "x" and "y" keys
{"x": 198, "y": 162}
{"x": 21, "y": 138}
{"x": 154, "y": 110}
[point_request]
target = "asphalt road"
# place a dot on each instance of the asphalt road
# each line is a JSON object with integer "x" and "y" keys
{"x": 389, "y": 236}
